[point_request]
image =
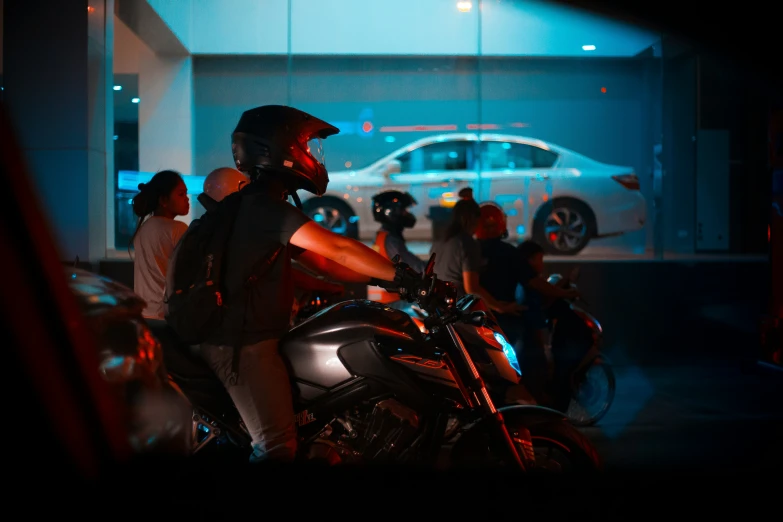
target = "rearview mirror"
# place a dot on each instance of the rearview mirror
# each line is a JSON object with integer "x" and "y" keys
{"x": 393, "y": 167}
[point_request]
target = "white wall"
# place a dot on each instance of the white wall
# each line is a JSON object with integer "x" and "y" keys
{"x": 178, "y": 16}
{"x": 166, "y": 102}
{"x": 239, "y": 27}
{"x": 515, "y": 28}
{"x": 165, "y": 114}
{"x": 128, "y": 49}
{"x": 398, "y": 27}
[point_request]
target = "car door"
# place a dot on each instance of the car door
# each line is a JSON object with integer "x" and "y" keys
{"x": 518, "y": 177}
{"x": 434, "y": 173}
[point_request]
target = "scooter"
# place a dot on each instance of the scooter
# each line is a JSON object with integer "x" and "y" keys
{"x": 584, "y": 382}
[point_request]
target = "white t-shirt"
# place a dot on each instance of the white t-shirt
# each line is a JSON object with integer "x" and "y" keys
{"x": 153, "y": 246}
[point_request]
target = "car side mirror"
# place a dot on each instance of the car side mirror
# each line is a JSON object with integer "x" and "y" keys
{"x": 393, "y": 167}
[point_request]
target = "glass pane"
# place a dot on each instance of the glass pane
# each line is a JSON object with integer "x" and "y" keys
{"x": 436, "y": 157}
{"x": 405, "y": 124}
{"x": 572, "y": 101}
{"x": 126, "y": 155}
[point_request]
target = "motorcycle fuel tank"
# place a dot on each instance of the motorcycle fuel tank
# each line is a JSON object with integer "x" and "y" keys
{"x": 312, "y": 346}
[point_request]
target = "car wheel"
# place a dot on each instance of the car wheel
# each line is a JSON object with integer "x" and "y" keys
{"x": 564, "y": 227}
{"x": 333, "y": 214}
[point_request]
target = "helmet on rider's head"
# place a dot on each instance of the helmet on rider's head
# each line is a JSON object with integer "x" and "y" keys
{"x": 492, "y": 223}
{"x": 283, "y": 143}
{"x": 391, "y": 208}
{"x": 224, "y": 181}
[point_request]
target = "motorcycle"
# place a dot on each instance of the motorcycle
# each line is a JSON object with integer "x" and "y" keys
{"x": 583, "y": 382}
{"x": 369, "y": 386}
{"x": 131, "y": 360}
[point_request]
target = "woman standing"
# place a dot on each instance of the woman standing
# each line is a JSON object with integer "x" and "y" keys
{"x": 158, "y": 202}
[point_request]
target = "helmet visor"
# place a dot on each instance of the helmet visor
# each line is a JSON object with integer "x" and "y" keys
{"x": 315, "y": 148}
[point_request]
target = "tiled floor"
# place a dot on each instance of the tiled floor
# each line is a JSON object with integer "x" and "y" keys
{"x": 692, "y": 415}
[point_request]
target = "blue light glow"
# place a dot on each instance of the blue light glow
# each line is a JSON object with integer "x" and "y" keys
{"x": 135, "y": 100}
{"x": 588, "y": 47}
{"x": 390, "y": 139}
{"x": 512, "y": 212}
{"x": 318, "y": 218}
{"x": 509, "y": 352}
{"x": 353, "y": 219}
{"x": 118, "y": 87}
{"x": 521, "y": 230}
{"x": 506, "y": 145}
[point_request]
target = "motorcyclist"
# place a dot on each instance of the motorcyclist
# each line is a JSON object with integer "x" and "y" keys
{"x": 390, "y": 209}
{"x": 537, "y": 359}
{"x": 279, "y": 148}
{"x": 501, "y": 271}
{"x": 226, "y": 180}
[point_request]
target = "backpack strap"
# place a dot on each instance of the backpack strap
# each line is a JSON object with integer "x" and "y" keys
{"x": 219, "y": 242}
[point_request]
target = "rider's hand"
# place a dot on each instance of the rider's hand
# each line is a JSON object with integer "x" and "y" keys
{"x": 573, "y": 294}
{"x": 510, "y": 308}
{"x": 408, "y": 279}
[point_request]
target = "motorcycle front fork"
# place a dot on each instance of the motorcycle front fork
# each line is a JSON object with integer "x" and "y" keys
{"x": 477, "y": 394}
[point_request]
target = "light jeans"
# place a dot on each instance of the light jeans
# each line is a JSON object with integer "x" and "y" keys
{"x": 262, "y": 395}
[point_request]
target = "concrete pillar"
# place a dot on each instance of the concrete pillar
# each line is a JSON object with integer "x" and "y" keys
{"x": 57, "y": 73}
{"x": 165, "y": 70}
{"x": 166, "y": 113}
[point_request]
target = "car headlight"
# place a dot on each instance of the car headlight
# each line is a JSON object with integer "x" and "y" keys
{"x": 509, "y": 352}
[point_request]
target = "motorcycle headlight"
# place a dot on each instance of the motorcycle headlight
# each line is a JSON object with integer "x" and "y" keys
{"x": 509, "y": 352}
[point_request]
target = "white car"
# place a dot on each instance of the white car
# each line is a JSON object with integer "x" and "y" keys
{"x": 558, "y": 197}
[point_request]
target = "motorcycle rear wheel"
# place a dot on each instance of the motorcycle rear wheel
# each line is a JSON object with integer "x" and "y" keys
{"x": 592, "y": 393}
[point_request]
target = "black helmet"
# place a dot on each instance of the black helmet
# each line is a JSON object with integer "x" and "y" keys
{"x": 285, "y": 141}
{"x": 391, "y": 208}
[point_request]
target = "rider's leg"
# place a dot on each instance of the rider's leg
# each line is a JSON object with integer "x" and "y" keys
{"x": 262, "y": 395}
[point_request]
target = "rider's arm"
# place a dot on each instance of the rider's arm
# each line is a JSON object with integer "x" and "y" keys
{"x": 308, "y": 282}
{"x": 329, "y": 268}
{"x": 345, "y": 251}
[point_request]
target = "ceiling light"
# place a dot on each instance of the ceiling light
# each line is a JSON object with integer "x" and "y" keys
{"x": 118, "y": 87}
{"x": 588, "y": 47}
{"x": 464, "y": 7}
{"x": 135, "y": 100}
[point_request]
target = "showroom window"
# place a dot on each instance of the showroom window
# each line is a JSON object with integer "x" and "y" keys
{"x": 590, "y": 87}
{"x": 497, "y": 155}
{"x": 436, "y": 157}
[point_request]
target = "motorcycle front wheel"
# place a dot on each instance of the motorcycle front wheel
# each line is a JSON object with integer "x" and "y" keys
{"x": 592, "y": 393}
{"x": 558, "y": 448}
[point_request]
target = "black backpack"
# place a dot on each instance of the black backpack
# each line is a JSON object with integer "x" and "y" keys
{"x": 196, "y": 304}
